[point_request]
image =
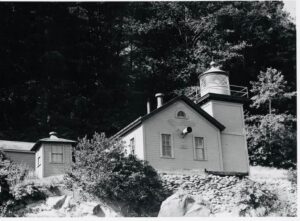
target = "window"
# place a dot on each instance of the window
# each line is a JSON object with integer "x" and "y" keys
{"x": 181, "y": 114}
{"x": 56, "y": 154}
{"x": 166, "y": 145}
{"x": 199, "y": 149}
{"x": 39, "y": 161}
{"x": 132, "y": 146}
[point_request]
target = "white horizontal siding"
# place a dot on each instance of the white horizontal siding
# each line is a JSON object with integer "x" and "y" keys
{"x": 26, "y": 158}
{"x": 137, "y": 134}
{"x": 51, "y": 169}
{"x": 166, "y": 122}
{"x": 233, "y": 138}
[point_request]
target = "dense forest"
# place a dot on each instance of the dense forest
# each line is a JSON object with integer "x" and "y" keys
{"x": 77, "y": 68}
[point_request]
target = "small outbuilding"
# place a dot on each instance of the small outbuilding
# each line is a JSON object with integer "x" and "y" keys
{"x": 19, "y": 152}
{"x": 53, "y": 155}
{"x": 47, "y": 157}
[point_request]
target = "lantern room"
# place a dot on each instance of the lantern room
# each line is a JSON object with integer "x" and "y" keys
{"x": 214, "y": 81}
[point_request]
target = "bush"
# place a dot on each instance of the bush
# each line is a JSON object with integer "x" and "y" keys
{"x": 255, "y": 199}
{"x": 103, "y": 169}
{"x": 292, "y": 176}
{"x": 25, "y": 192}
{"x": 10, "y": 174}
{"x": 272, "y": 140}
{"x": 15, "y": 193}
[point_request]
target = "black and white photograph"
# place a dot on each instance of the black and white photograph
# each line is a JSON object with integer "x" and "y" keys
{"x": 148, "y": 109}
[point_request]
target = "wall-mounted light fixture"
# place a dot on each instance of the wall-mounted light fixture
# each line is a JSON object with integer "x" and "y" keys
{"x": 186, "y": 131}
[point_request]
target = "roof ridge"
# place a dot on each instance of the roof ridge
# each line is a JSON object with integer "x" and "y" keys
{"x": 127, "y": 126}
{"x": 17, "y": 141}
{"x": 139, "y": 120}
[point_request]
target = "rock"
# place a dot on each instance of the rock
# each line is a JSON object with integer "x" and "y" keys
{"x": 97, "y": 211}
{"x": 66, "y": 204}
{"x": 198, "y": 210}
{"x": 56, "y": 202}
{"x": 111, "y": 211}
{"x": 85, "y": 209}
{"x": 182, "y": 204}
{"x": 176, "y": 205}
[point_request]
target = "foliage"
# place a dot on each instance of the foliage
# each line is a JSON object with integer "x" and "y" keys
{"x": 292, "y": 176}
{"x": 23, "y": 192}
{"x": 14, "y": 191}
{"x": 270, "y": 86}
{"x": 10, "y": 175}
{"x": 72, "y": 67}
{"x": 272, "y": 140}
{"x": 21, "y": 195}
{"x": 103, "y": 169}
{"x": 255, "y": 199}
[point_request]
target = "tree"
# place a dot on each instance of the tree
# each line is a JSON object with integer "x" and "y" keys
{"x": 84, "y": 67}
{"x": 270, "y": 86}
{"x": 271, "y": 137}
{"x": 272, "y": 140}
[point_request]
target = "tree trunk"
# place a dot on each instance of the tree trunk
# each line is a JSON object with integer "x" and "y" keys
{"x": 270, "y": 106}
{"x": 131, "y": 55}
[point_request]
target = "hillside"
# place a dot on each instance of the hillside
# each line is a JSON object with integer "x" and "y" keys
{"x": 266, "y": 192}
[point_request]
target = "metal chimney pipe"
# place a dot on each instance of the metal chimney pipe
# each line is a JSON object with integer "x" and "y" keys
{"x": 148, "y": 107}
{"x": 160, "y": 100}
{"x": 53, "y": 135}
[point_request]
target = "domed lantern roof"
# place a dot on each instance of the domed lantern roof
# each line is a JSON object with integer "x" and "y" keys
{"x": 214, "y": 80}
{"x": 214, "y": 69}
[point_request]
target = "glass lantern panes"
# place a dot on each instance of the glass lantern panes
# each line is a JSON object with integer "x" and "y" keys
{"x": 203, "y": 83}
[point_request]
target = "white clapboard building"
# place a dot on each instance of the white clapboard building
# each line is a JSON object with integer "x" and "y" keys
{"x": 204, "y": 130}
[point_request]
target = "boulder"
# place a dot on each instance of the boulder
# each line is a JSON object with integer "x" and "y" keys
{"x": 66, "y": 204}
{"x": 85, "y": 209}
{"x": 198, "y": 210}
{"x": 94, "y": 208}
{"x": 182, "y": 204}
{"x": 56, "y": 202}
{"x": 111, "y": 210}
{"x": 97, "y": 211}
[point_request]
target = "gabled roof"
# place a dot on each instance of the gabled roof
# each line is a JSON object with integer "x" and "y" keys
{"x": 16, "y": 146}
{"x": 139, "y": 120}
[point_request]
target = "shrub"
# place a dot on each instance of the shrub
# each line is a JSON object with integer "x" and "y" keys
{"x": 292, "y": 176}
{"x": 10, "y": 174}
{"x": 272, "y": 140}
{"x": 25, "y": 192}
{"x": 15, "y": 193}
{"x": 255, "y": 199}
{"x": 103, "y": 169}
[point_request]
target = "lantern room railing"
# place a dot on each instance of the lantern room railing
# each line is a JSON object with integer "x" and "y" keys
{"x": 193, "y": 92}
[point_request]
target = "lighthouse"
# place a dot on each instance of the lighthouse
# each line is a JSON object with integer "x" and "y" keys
{"x": 225, "y": 104}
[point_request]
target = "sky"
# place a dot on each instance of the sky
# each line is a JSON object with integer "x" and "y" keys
{"x": 290, "y": 6}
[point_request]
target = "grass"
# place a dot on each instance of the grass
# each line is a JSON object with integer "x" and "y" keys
{"x": 277, "y": 181}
